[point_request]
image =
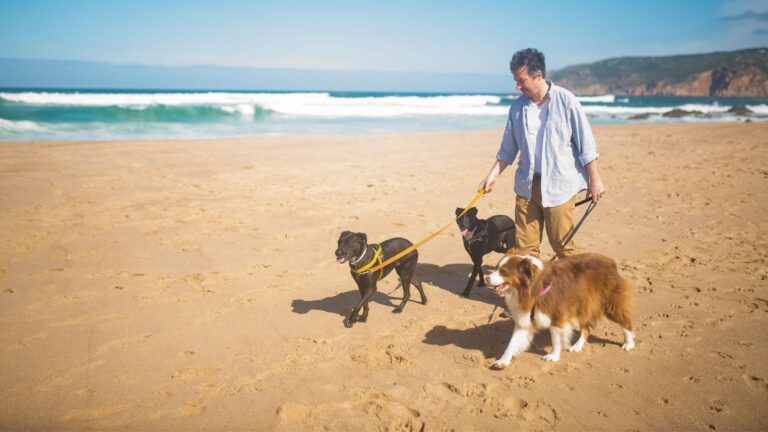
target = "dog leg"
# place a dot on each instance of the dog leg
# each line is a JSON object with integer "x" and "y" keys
{"x": 520, "y": 341}
{"x": 417, "y": 284}
{"x": 629, "y": 340}
{"x": 557, "y": 334}
{"x": 475, "y": 272}
{"x": 579, "y": 345}
{"x": 621, "y": 316}
{"x": 368, "y": 293}
{"x": 406, "y": 282}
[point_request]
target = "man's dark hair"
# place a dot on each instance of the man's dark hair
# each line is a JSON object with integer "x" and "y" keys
{"x": 530, "y": 57}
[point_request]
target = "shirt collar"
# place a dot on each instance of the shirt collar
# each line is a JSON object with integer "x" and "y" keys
{"x": 551, "y": 85}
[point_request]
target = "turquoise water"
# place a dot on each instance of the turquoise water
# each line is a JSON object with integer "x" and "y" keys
{"x": 34, "y": 114}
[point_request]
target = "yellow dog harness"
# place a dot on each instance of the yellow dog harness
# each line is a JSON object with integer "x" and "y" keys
{"x": 376, "y": 257}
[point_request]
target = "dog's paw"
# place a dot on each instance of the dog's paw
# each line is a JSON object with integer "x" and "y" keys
{"x": 397, "y": 310}
{"x": 578, "y": 346}
{"x": 465, "y": 294}
{"x": 551, "y": 357}
{"x": 348, "y": 323}
{"x": 362, "y": 319}
{"x": 628, "y": 346}
{"x": 499, "y": 365}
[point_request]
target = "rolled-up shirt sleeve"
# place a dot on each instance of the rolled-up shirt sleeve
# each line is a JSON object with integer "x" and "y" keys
{"x": 508, "y": 149}
{"x": 581, "y": 135}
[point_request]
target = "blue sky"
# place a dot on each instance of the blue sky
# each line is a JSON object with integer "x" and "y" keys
{"x": 422, "y": 36}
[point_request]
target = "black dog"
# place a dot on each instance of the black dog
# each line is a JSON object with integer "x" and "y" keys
{"x": 481, "y": 237}
{"x": 354, "y": 249}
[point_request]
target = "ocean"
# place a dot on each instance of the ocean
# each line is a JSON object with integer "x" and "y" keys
{"x": 55, "y": 114}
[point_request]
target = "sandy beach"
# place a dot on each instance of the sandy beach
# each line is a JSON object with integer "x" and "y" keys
{"x": 192, "y": 285}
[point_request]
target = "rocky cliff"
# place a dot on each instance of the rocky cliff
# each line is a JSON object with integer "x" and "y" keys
{"x": 736, "y": 73}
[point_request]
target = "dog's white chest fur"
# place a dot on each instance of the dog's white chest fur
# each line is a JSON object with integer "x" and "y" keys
{"x": 541, "y": 320}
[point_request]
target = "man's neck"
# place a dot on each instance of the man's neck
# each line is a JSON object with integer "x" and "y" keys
{"x": 541, "y": 96}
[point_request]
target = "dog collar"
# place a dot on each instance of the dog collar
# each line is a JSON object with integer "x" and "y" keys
{"x": 365, "y": 251}
{"x": 546, "y": 290}
{"x": 376, "y": 256}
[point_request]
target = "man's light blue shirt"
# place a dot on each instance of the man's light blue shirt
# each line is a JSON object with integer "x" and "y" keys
{"x": 568, "y": 147}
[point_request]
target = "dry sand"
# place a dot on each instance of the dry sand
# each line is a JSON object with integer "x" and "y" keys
{"x": 192, "y": 286}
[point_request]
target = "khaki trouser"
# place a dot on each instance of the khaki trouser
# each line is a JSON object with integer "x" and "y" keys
{"x": 531, "y": 219}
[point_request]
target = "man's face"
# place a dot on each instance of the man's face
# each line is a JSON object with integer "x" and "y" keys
{"x": 526, "y": 84}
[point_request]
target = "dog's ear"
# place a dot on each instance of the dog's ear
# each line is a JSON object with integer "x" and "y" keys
{"x": 363, "y": 237}
{"x": 472, "y": 211}
{"x": 458, "y": 211}
{"x": 345, "y": 233}
{"x": 526, "y": 268}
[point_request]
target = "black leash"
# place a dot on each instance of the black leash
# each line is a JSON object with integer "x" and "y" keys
{"x": 591, "y": 207}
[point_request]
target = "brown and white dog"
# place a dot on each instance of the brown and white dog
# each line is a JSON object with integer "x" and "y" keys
{"x": 571, "y": 292}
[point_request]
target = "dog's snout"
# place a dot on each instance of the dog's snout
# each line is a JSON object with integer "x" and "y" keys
{"x": 494, "y": 279}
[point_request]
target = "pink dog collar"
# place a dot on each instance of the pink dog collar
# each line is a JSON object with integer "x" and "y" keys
{"x": 546, "y": 290}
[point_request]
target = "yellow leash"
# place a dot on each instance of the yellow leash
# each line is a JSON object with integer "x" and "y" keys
{"x": 381, "y": 265}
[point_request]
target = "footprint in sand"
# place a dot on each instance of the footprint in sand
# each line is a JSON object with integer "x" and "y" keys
{"x": 93, "y": 413}
{"x": 756, "y": 382}
{"x": 717, "y": 406}
{"x": 69, "y": 375}
{"x": 211, "y": 316}
{"x": 521, "y": 382}
{"x": 190, "y": 409}
{"x": 129, "y": 341}
{"x": 247, "y": 298}
{"x": 188, "y": 374}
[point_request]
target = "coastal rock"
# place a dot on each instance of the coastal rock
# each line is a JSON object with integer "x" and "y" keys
{"x": 740, "y": 111}
{"x": 643, "y": 116}
{"x": 735, "y": 73}
{"x": 678, "y": 113}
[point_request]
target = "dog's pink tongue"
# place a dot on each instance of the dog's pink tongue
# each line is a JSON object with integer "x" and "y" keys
{"x": 500, "y": 288}
{"x": 341, "y": 260}
{"x": 465, "y": 233}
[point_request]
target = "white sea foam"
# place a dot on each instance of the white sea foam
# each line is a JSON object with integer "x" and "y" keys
{"x": 597, "y": 99}
{"x": 295, "y": 104}
{"x": 759, "y": 109}
{"x": 10, "y": 126}
{"x": 707, "y": 109}
{"x": 623, "y": 110}
{"x": 389, "y": 106}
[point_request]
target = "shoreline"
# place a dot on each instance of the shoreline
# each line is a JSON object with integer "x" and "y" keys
{"x": 191, "y": 284}
{"x": 374, "y": 136}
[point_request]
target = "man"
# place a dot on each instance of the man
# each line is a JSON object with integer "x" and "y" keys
{"x": 558, "y": 157}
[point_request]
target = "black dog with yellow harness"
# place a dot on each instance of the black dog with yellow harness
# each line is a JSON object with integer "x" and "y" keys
{"x": 354, "y": 249}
